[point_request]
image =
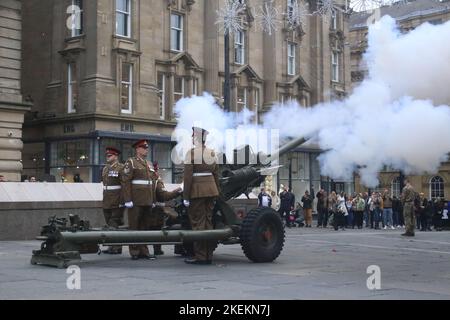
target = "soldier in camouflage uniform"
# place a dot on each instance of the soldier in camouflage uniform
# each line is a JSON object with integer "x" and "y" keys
{"x": 408, "y": 196}
{"x": 201, "y": 187}
{"x": 141, "y": 190}
{"x": 112, "y": 194}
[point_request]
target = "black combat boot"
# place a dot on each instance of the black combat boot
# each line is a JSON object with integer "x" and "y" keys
{"x": 408, "y": 234}
{"x": 157, "y": 250}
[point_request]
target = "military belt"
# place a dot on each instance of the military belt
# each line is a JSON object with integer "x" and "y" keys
{"x": 202, "y": 174}
{"x": 111, "y": 188}
{"x": 144, "y": 182}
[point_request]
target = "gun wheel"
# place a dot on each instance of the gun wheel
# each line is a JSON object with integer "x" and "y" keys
{"x": 262, "y": 235}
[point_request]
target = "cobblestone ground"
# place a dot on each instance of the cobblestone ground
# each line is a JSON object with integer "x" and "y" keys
{"x": 315, "y": 264}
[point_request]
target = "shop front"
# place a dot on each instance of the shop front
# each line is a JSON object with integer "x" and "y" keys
{"x": 82, "y": 158}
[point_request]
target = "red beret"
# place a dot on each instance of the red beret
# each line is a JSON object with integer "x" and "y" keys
{"x": 111, "y": 150}
{"x": 140, "y": 143}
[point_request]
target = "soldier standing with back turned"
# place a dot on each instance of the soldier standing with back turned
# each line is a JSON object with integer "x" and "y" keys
{"x": 201, "y": 187}
{"x": 112, "y": 194}
{"x": 141, "y": 190}
{"x": 408, "y": 196}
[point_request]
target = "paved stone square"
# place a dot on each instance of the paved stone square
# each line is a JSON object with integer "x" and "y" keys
{"x": 315, "y": 264}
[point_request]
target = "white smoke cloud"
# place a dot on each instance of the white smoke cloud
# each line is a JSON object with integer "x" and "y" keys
{"x": 399, "y": 116}
{"x": 415, "y": 64}
{"x": 227, "y": 131}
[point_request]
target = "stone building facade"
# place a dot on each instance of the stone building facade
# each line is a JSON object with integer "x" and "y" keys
{"x": 12, "y": 107}
{"x": 408, "y": 15}
{"x": 116, "y": 76}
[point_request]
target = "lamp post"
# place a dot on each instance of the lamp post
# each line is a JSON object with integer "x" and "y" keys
{"x": 35, "y": 160}
{"x": 229, "y": 18}
{"x": 290, "y": 170}
{"x": 226, "y": 89}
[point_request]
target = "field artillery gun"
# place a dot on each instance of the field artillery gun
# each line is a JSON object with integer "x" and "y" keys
{"x": 260, "y": 231}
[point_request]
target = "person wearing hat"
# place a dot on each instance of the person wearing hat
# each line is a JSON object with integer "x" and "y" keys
{"x": 112, "y": 194}
{"x": 141, "y": 190}
{"x": 201, "y": 187}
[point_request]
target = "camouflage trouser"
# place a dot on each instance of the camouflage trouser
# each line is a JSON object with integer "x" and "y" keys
{"x": 410, "y": 217}
{"x": 200, "y": 215}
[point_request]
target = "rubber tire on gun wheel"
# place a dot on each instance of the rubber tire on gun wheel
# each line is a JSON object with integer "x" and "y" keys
{"x": 262, "y": 235}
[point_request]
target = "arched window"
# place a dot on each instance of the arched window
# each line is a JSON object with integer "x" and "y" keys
{"x": 436, "y": 187}
{"x": 395, "y": 187}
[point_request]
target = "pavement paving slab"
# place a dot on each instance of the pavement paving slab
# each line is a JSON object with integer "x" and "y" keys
{"x": 314, "y": 264}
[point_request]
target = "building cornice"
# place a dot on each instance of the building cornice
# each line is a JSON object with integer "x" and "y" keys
{"x": 408, "y": 16}
{"x": 96, "y": 116}
{"x": 15, "y": 106}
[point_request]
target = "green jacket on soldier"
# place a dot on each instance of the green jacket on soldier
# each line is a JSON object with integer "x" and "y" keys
{"x": 112, "y": 185}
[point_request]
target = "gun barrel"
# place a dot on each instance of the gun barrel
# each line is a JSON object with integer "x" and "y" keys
{"x": 169, "y": 236}
{"x": 288, "y": 147}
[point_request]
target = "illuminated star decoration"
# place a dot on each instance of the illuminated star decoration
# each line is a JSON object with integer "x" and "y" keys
{"x": 364, "y": 5}
{"x": 267, "y": 18}
{"x": 325, "y": 7}
{"x": 229, "y": 17}
{"x": 297, "y": 15}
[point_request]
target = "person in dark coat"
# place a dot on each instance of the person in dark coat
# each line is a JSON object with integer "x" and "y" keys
{"x": 322, "y": 209}
{"x": 307, "y": 208}
{"x": 264, "y": 199}
{"x": 287, "y": 204}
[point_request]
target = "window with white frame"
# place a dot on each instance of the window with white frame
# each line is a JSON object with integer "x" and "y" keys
{"x": 176, "y": 32}
{"x": 333, "y": 19}
{"x": 335, "y": 66}
{"x": 395, "y": 187}
{"x": 76, "y": 18}
{"x": 195, "y": 86}
{"x": 256, "y": 104}
{"x": 285, "y": 98}
{"x": 123, "y": 18}
{"x": 72, "y": 88}
{"x": 241, "y": 98}
{"x": 291, "y": 58}
{"x": 239, "y": 47}
{"x": 126, "y": 90}
{"x": 162, "y": 94}
{"x": 178, "y": 89}
{"x": 436, "y": 187}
